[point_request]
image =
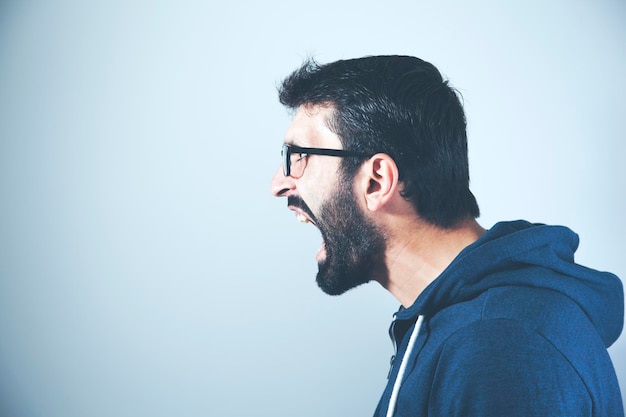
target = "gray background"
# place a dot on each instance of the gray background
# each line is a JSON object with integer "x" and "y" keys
{"x": 144, "y": 267}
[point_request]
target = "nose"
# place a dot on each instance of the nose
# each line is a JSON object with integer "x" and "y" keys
{"x": 281, "y": 186}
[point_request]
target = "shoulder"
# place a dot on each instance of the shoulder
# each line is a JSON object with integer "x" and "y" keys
{"x": 497, "y": 366}
{"x": 512, "y": 325}
{"x": 522, "y": 351}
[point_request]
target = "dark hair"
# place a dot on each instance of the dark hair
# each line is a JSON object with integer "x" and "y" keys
{"x": 401, "y": 106}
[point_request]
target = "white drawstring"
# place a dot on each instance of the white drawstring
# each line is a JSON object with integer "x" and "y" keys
{"x": 398, "y": 382}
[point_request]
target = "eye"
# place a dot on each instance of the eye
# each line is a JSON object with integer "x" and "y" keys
{"x": 301, "y": 156}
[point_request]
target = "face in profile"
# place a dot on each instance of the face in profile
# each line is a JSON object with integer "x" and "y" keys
{"x": 352, "y": 249}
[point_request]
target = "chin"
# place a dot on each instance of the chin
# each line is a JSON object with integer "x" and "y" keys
{"x": 335, "y": 282}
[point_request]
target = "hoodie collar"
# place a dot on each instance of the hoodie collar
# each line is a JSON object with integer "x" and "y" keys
{"x": 511, "y": 247}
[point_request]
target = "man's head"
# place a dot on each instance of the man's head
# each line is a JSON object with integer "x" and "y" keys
{"x": 320, "y": 192}
{"x": 400, "y": 106}
{"x": 393, "y": 114}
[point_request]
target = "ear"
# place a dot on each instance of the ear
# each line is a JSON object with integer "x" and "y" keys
{"x": 378, "y": 181}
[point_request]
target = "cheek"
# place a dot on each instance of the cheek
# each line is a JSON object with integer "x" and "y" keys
{"x": 319, "y": 181}
{"x": 312, "y": 199}
{"x": 316, "y": 191}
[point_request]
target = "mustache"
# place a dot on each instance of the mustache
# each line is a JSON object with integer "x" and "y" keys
{"x": 298, "y": 202}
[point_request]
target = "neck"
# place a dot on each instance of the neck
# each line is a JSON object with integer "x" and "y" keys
{"x": 418, "y": 253}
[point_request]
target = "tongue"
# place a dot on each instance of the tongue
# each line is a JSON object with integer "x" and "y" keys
{"x": 321, "y": 254}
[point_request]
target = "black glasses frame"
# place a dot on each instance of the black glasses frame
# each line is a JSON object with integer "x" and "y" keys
{"x": 288, "y": 150}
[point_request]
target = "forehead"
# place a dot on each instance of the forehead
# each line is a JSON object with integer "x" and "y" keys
{"x": 309, "y": 128}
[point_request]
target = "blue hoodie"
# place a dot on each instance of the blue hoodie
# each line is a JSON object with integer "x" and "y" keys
{"x": 513, "y": 327}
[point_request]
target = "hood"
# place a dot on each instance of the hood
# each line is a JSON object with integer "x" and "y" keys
{"x": 530, "y": 255}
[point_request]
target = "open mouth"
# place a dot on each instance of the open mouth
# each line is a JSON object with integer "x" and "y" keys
{"x": 304, "y": 218}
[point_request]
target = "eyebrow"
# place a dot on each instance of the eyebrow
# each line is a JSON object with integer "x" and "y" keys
{"x": 328, "y": 151}
{"x": 292, "y": 142}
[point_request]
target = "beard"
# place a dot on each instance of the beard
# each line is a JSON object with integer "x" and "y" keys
{"x": 354, "y": 246}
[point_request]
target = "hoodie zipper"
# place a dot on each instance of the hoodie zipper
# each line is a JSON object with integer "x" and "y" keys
{"x": 392, "y": 335}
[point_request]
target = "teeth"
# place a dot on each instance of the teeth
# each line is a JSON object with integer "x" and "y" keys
{"x": 302, "y": 218}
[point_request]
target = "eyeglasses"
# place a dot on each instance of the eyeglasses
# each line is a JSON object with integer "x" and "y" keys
{"x": 295, "y": 157}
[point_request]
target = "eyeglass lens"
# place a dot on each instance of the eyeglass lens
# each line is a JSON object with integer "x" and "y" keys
{"x": 293, "y": 162}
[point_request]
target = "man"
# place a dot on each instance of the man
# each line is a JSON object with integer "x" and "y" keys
{"x": 493, "y": 323}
